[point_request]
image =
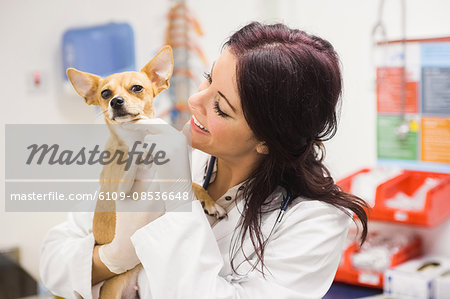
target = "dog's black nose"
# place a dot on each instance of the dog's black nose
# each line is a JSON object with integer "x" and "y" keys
{"x": 117, "y": 102}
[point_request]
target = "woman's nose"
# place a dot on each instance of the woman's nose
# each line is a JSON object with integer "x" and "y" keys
{"x": 198, "y": 100}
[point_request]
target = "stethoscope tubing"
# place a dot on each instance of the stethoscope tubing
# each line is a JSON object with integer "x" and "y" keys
{"x": 209, "y": 171}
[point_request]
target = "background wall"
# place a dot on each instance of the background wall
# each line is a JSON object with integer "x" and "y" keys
{"x": 31, "y": 34}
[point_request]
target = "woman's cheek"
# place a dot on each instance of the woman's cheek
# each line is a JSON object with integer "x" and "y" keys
{"x": 216, "y": 126}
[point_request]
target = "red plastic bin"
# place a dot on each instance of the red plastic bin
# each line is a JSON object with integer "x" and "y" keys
{"x": 437, "y": 203}
{"x": 348, "y": 274}
{"x": 346, "y": 183}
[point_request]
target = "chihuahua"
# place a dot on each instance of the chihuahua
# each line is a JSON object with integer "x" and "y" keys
{"x": 126, "y": 98}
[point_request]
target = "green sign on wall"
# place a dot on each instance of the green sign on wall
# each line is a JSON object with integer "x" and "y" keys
{"x": 390, "y": 145}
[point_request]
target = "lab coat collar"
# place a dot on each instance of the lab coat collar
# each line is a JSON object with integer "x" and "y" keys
{"x": 227, "y": 225}
{"x": 235, "y": 211}
{"x": 235, "y": 207}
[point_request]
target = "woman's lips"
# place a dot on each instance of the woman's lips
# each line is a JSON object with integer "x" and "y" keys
{"x": 198, "y": 125}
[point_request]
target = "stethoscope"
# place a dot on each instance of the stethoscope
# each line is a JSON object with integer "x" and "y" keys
{"x": 284, "y": 204}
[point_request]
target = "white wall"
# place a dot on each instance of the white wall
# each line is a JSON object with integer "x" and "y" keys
{"x": 31, "y": 33}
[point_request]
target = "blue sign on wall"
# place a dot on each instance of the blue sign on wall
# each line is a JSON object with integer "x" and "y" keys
{"x": 101, "y": 50}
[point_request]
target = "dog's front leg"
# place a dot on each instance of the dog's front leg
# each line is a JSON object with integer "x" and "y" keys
{"x": 138, "y": 176}
{"x": 127, "y": 180}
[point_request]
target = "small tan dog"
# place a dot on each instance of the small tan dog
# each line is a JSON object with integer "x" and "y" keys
{"x": 125, "y": 98}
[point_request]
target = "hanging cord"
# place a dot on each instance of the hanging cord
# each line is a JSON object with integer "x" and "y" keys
{"x": 380, "y": 29}
{"x": 378, "y": 47}
{"x": 403, "y": 129}
{"x": 379, "y": 26}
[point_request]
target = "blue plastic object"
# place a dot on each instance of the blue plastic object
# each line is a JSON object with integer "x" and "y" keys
{"x": 101, "y": 50}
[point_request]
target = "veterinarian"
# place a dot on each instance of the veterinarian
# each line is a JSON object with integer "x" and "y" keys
{"x": 263, "y": 112}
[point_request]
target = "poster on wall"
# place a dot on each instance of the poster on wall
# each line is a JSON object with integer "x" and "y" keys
{"x": 413, "y": 104}
{"x": 389, "y": 146}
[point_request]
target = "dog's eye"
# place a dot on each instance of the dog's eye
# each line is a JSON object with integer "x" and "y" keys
{"x": 136, "y": 88}
{"x": 106, "y": 94}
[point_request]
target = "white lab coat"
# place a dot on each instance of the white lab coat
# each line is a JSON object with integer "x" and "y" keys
{"x": 183, "y": 257}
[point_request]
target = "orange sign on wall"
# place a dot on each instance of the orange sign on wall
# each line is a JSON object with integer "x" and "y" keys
{"x": 436, "y": 140}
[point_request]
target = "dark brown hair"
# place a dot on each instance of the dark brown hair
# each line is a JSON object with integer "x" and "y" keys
{"x": 290, "y": 85}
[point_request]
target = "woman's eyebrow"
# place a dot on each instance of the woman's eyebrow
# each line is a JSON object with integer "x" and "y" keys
{"x": 225, "y": 98}
{"x": 221, "y": 94}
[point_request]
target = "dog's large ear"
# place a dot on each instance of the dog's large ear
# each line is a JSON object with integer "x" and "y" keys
{"x": 85, "y": 84}
{"x": 160, "y": 68}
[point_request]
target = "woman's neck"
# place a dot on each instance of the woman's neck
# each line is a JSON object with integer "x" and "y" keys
{"x": 231, "y": 173}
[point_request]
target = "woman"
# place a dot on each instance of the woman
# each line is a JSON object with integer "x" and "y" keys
{"x": 264, "y": 110}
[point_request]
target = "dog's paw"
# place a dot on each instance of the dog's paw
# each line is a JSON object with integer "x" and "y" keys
{"x": 213, "y": 209}
{"x": 210, "y": 207}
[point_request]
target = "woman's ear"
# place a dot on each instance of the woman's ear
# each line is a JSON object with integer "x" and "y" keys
{"x": 262, "y": 148}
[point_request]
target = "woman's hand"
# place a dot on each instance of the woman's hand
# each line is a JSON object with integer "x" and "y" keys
{"x": 119, "y": 256}
{"x": 163, "y": 186}
{"x": 171, "y": 166}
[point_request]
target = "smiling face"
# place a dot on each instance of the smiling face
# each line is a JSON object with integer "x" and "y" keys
{"x": 218, "y": 123}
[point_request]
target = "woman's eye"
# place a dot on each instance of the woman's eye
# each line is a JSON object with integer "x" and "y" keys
{"x": 219, "y": 111}
{"x": 207, "y": 77}
{"x": 136, "y": 88}
{"x": 106, "y": 94}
